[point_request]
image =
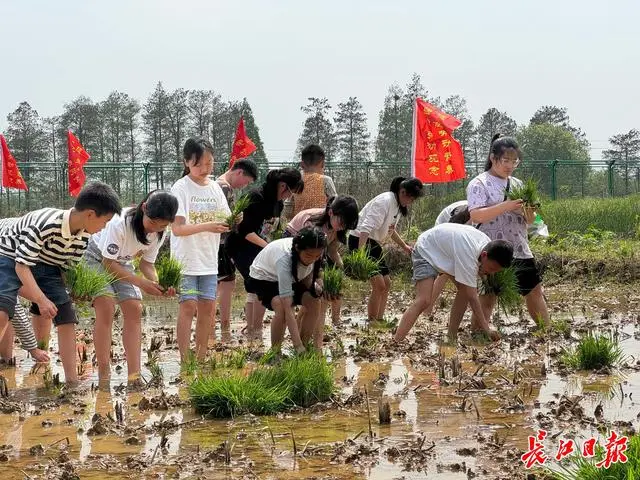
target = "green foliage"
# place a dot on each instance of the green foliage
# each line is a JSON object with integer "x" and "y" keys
{"x": 298, "y": 381}
{"x": 236, "y": 359}
{"x": 593, "y": 352}
{"x": 169, "y": 272}
{"x": 333, "y": 280}
{"x": 581, "y": 468}
{"x": 528, "y": 193}
{"x": 504, "y": 285}
{"x": 85, "y": 283}
{"x": 360, "y": 266}
{"x": 239, "y": 206}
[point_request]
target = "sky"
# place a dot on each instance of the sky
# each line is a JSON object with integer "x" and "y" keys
{"x": 513, "y": 55}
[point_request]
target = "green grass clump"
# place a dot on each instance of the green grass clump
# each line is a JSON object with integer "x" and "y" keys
{"x": 234, "y": 360}
{"x": 528, "y": 193}
{"x": 581, "y": 468}
{"x": 298, "y": 381}
{"x": 593, "y": 352}
{"x": 239, "y": 206}
{"x": 333, "y": 280}
{"x": 504, "y": 285}
{"x": 86, "y": 283}
{"x": 360, "y": 266}
{"x": 169, "y": 272}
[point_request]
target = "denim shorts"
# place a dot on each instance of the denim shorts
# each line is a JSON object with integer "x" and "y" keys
{"x": 120, "y": 290}
{"x": 422, "y": 269}
{"x": 48, "y": 278}
{"x": 198, "y": 287}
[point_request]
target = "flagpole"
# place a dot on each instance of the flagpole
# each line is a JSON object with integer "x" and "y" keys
{"x": 413, "y": 138}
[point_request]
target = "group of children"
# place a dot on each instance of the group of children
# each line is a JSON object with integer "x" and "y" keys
{"x": 279, "y": 273}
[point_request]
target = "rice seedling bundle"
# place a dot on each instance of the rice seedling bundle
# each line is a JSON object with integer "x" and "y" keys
{"x": 239, "y": 206}
{"x": 333, "y": 280}
{"x": 169, "y": 272}
{"x": 85, "y": 283}
{"x": 527, "y": 192}
{"x": 504, "y": 285}
{"x": 360, "y": 266}
{"x": 593, "y": 352}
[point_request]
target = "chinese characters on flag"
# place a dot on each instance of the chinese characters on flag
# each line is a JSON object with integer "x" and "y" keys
{"x": 11, "y": 177}
{"x": 242, "y": 145}
{"x": 436, "y": 155}
{"x": 78, "y": 156}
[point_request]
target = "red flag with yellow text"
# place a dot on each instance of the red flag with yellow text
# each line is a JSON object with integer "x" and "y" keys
{"x": 242, "y": 145}
{"x": 436, "y": 156}
{"x": 78, "y": 156}
{"x": 11, "y": 176}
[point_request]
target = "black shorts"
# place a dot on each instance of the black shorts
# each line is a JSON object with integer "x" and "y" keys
{"x": 374, "y": 249}
{"x": 266, "y": 291}
{"x": 527, "y": 273}
{"x": 242, "y": 258}
{"x": 226, "y": 268}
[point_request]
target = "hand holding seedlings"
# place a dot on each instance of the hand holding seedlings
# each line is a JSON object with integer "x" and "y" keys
{"x": 40, "y": 356}
{"x": 151, "y": 288}
{"x": 217, "y": 227}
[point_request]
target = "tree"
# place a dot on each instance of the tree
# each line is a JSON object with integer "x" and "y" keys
{"x": 199, "y": 105}
{"x": 626, "y": 150}
{"x": 318, "y": 128}
{"x": 558, "y": 116}
{"x": 387, "y": 144}
{"x": 492, "y": 122}
{"x": 457, "y": 106}
{"x": 177, "y": 113}
{"x": 352, "y": 135}
{"x": 155, "y": 126}
{"x": 82, "y": 116}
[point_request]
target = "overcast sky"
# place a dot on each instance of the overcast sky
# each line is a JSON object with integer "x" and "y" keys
{"x": 515, "y": 55}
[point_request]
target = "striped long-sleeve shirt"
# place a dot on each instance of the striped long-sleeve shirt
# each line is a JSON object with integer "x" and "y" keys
{"x": 43, "y": 236}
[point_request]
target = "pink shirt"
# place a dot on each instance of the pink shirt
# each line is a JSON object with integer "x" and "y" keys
{"x": 301, "y": 220}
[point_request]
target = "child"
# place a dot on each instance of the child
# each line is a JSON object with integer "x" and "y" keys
{"x": 38, "y": 247}
{"x": 243, "y": 173}
{"x": 258, "y": 221}
{"x": 317, "y": 186}
{"x": 462, "y": 252}
{"x": 195, "y": 239}
{"x": 285, "y": 274}
{"x": 335, "y": 219}
{"x": 377, "y": 219}
{"x": 138, "y": 231}
{"x": 501, "y": 218}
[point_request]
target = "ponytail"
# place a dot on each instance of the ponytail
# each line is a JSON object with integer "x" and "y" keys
{"x": 157, "y": 205}
{"x": 412, "y": 187}
{"x": 290, "y": 176}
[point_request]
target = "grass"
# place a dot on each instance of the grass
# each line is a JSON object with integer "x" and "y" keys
{"x": 528, "y": 193}
{"x": 333, "y": 280}
{"x": 593, "y": 352}
{"x": 234, "y": 360}
{"x": 86, "y": 283}
{"x": 504, "y": 285}
{"x": 580, "y": 468}
{"x": 169, "y": 272}
{"x": 301, "y": 380}
{"x": 239, "y": 206}
{"x": 359, "y": 265}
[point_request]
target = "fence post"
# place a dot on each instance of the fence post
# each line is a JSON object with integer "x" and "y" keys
{"x": 610, "y": 165}
{"x": 554, "y": 186}
{"x": 145, "y": 176}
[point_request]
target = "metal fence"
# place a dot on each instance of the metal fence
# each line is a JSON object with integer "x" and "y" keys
{"x": 557, "y": 179}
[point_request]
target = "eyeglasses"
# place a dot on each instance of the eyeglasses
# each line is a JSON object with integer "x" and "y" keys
{"x": 515, "y": 162}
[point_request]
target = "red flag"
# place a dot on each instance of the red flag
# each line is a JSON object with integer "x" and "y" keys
{"x": 242, "y": 145}
{"x": 11, "y": 177}
{"x": 78, "y": 156}
{"x": 436, "y": 156}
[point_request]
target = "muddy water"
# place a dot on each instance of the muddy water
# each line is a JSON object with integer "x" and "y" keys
{"x": 427, "y": 411}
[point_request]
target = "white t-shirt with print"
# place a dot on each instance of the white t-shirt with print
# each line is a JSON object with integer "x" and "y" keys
{"x": 453, "y": 249}
{"x": 378, "y": 215}
{"x": 118, "y": 241}
{"x": 198, "y": 253}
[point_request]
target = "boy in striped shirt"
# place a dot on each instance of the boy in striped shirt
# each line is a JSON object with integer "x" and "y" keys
{"x": 35, "y": 250}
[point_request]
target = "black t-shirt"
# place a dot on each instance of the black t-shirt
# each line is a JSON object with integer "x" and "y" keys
{"x": 260, "y": 217}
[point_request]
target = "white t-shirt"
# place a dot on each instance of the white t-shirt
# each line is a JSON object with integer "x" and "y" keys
{"x": 453, "y": 249}
{"x": 273, "y": 264}
{"x": 198, "y": 253}
{"x": 378, "y": 215}
{"x": 445, "y": 214}
{"x": 118, "y": 241}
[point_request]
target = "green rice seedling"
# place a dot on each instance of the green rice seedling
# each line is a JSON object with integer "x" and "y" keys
{"x": 85, "y": 283}
{"x": 504, "y": 285}
{"x": 580, "y": 468}
{"x": 169, "y": 272}
{"x": 279, "y": 231}
{"x": 190, "y": 364}
{"x": 593, "y": 352}
{"x": 360, "y": 266}
{"x": 234, "y": 360}
{"x": 528, "y": 193}
{"x": 239, "y": 206}
{"x": 333, "y": 280}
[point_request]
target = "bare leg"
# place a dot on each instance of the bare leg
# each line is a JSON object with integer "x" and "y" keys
{"x": 258, "y": 320}
{"x": 311, "y": 318}
{"x": 42, "y": 328}
{"x": 488, "y": 303}
{"x": 537, "y": 306}
{"x": 132, "y": 335}
{"x": 277, "y": 324}
{"x": 6, "y": 343}
{"x": 186, "y": 312}
{"x": 377, "y": 293}
{"x": 105, "y": 308}
{"x": 336, "y": 306}
{"x": 68, "y": 355}
{"x": 438, "y": 287}
{"x": 225, "y": 299}
{"x": 457, "y": 313}
{"x": 318, "y": 334}
{"x": 4, "y": 323}
{"x": 422, "y": 302}
{"x": 382, "y": 306}
{"x": 206, "y": 308}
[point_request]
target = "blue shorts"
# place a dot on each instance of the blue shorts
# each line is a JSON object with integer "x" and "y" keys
{"x": 48, "y": 278}
{"x": 198, "y": 287}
